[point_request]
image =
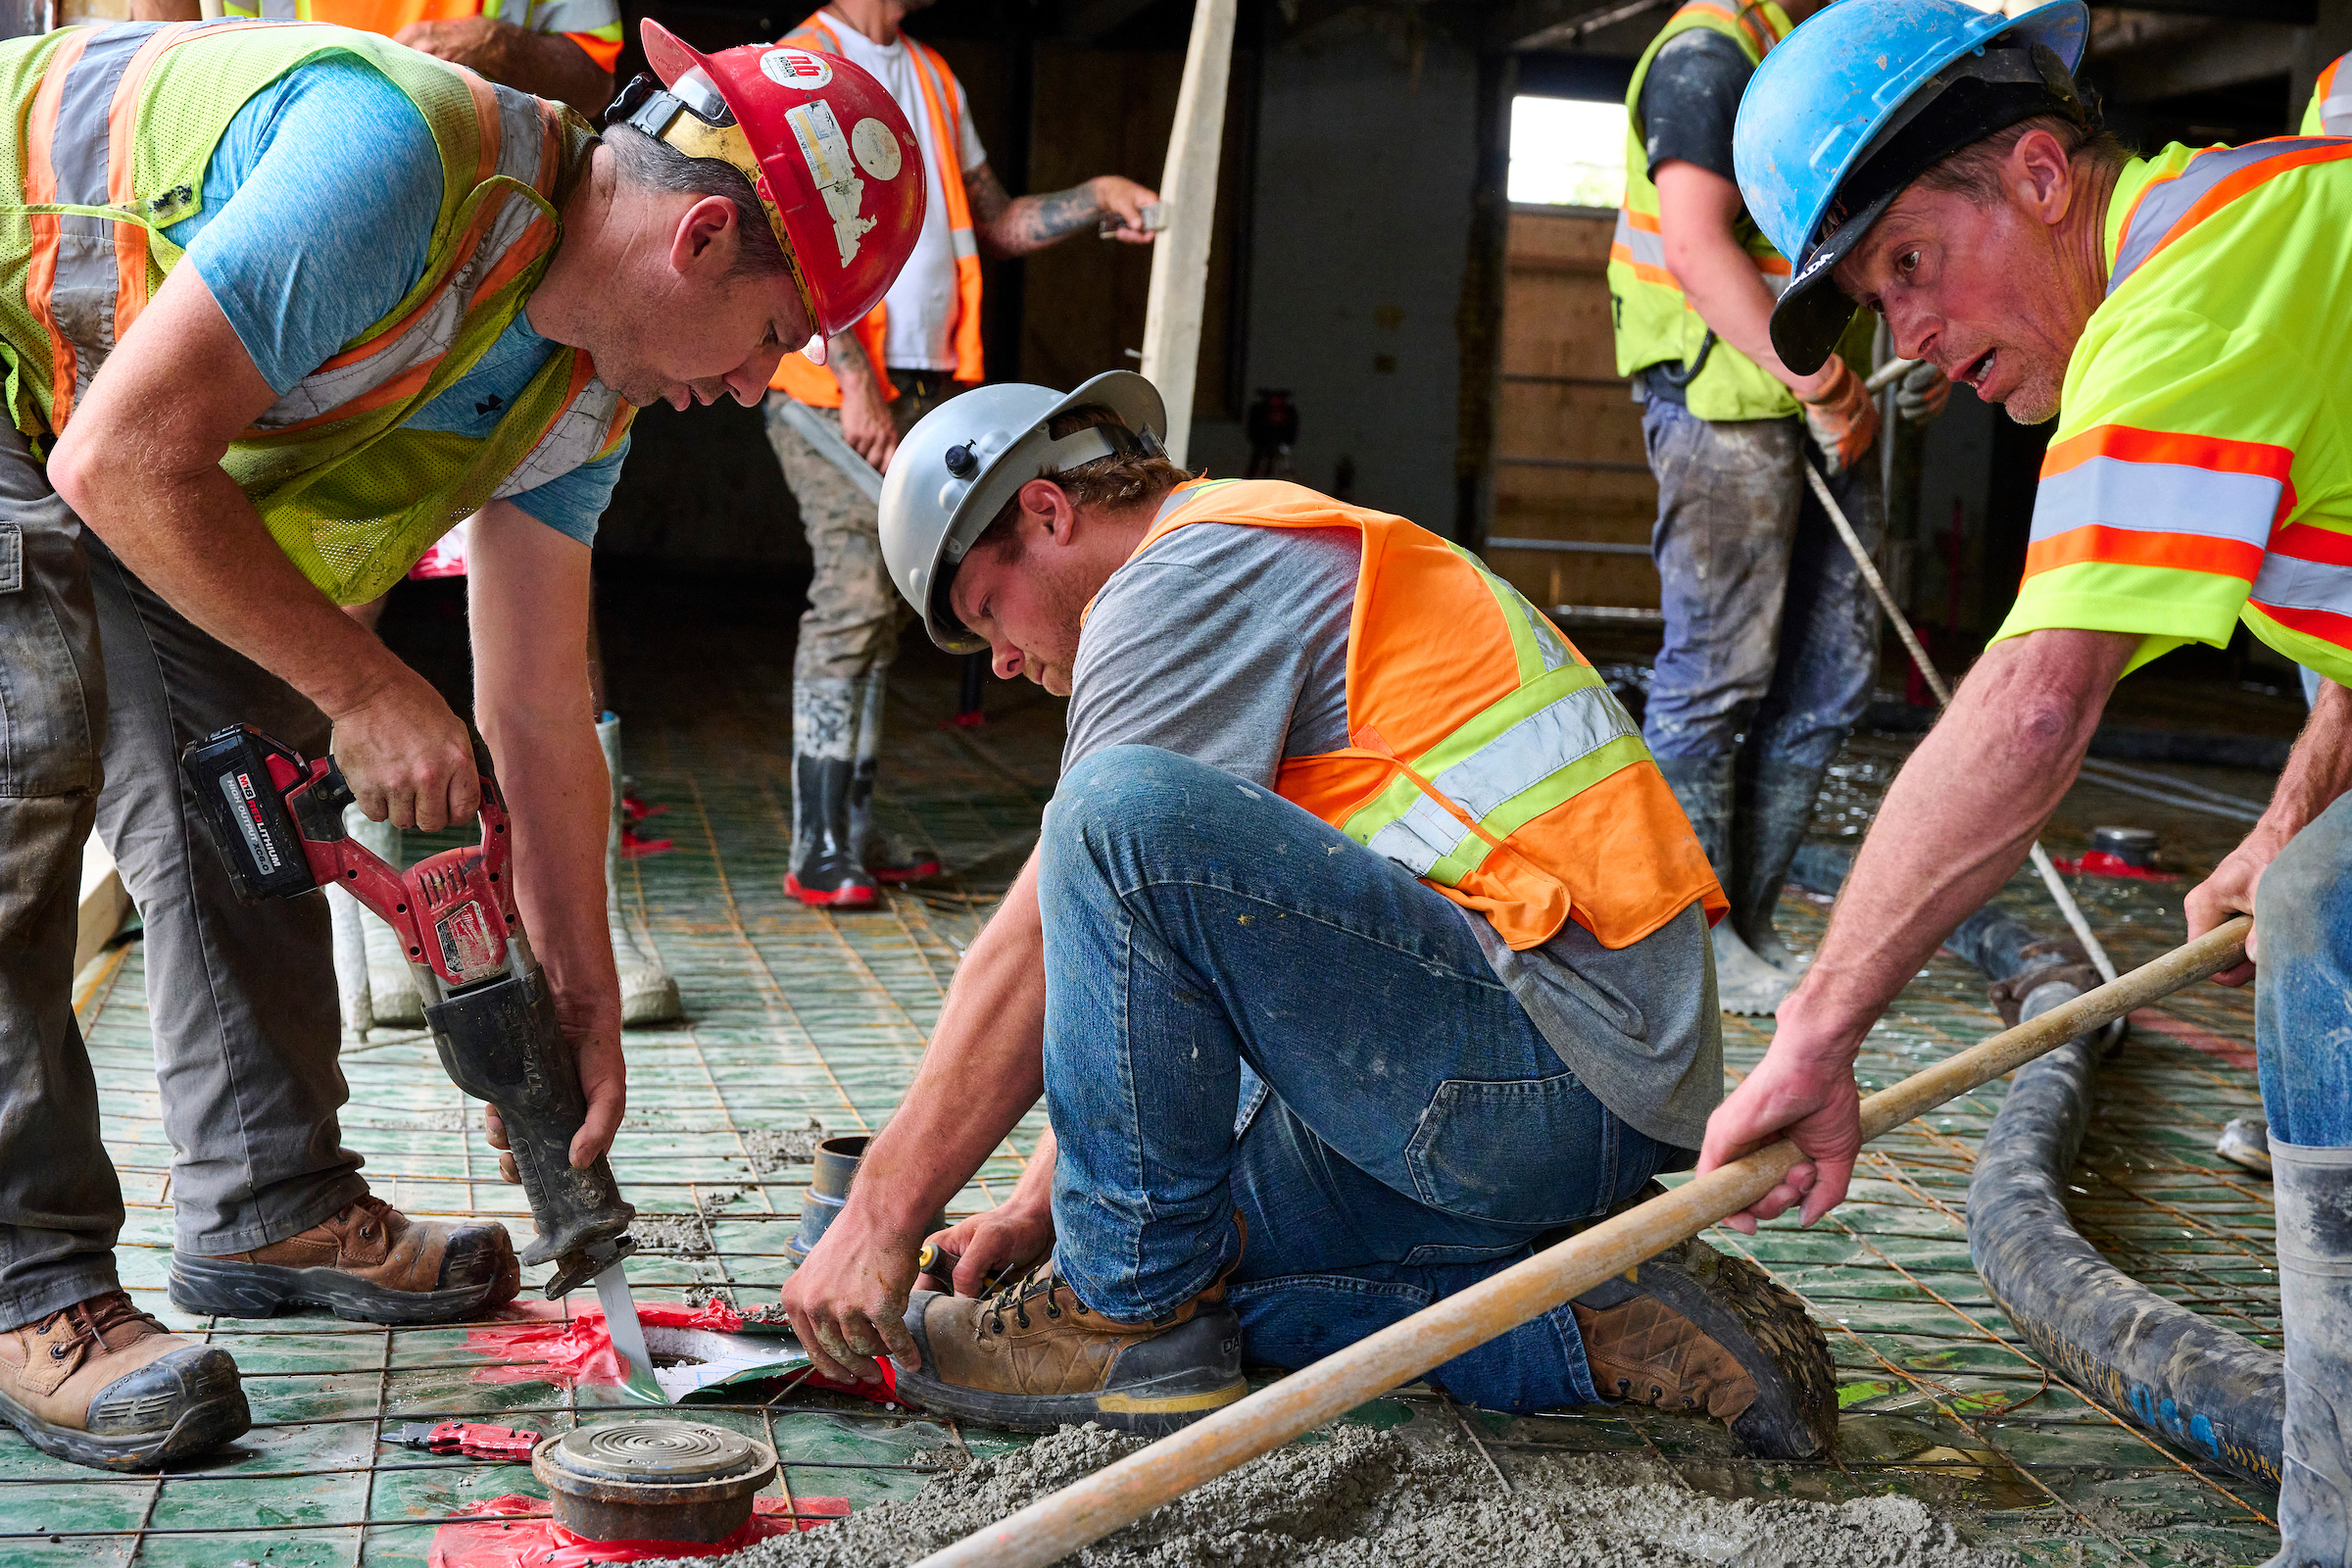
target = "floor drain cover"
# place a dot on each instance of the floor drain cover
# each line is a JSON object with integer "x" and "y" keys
{"x": 653, "y": 1480}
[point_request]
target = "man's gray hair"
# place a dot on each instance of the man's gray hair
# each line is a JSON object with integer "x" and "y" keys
{"x": 645, "y": 164}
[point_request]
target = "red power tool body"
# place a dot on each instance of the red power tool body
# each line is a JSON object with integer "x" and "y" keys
{"x": 279, "y": 822}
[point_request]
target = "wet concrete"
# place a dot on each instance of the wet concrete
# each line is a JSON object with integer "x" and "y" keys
{"x": 1371, "y": 1497}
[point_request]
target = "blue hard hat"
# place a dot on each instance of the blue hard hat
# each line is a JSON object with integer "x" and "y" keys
{"x": 1857, "y": 102}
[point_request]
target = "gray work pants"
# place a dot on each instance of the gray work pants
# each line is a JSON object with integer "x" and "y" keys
{"x": 851, "y": 627}
{"x": 101, "y": 682}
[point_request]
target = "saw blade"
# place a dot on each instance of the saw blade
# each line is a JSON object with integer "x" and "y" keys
{"x": 628, "y": 1335}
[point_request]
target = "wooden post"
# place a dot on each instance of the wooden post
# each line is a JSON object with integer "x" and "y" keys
{"x": 1189, "y": 189}
{"x": 1055, "y": 1526}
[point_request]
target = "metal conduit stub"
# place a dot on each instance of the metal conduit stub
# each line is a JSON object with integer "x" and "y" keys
{"x": 2176, "y": 1373}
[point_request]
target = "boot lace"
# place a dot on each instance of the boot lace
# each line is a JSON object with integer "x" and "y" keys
{"x": 1040, "y": 1281}
{"x": 107, "y": 1322}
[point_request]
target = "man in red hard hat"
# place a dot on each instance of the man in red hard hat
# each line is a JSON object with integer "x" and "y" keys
{"x": 903, "y": 359}
{"x": 348, "y": 293}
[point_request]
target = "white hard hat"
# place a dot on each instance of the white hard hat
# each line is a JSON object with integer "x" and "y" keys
{"x": 965, "y": 459}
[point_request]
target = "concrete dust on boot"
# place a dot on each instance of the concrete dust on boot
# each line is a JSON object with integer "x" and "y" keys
{"x": 1365, "y": 1498}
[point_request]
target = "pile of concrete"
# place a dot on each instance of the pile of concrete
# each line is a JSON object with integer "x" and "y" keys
{"x": 1366, "y": 1498}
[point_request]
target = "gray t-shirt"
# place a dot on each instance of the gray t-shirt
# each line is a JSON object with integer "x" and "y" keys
{"x": 1228, "y": 644}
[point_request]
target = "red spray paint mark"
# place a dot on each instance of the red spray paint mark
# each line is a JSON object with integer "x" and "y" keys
{"x": 516, "y": 1532}
{"x": 571, "y": 1350}
{"x": 2237, "y": 1053}
{"x": 2100, "y": 863}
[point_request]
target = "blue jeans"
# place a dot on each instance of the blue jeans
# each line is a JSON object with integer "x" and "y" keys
{"x": 2303, "y": 983}
{"x": 1770, "y": 630}
{"x": 1248, "y": 1010}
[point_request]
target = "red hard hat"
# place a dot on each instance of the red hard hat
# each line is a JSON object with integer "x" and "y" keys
{"x": 830, "y": 154}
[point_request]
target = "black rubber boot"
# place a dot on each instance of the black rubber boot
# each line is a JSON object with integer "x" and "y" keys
{"x": 1773, "y": 807}
{"x": 2313, "y": 1190}
{"x": 1744, "y": 984}
{"x": 828, "y": 869}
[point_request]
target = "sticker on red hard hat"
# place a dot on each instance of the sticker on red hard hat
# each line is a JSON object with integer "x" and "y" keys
{"x": 796, "y": 68}
{"x": 826, "y": 151}
{"x": 876, "y": 148}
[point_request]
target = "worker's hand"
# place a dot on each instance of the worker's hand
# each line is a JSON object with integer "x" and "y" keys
{"x": 406, "y": 757}
{"x": 472, "y": 41}
{"x": 1002, "y": 1243}
{"x": 1125, "y": 200}
{"x": 865, "y": 421}
{"x": 2229, "y": 892}
{"x": 1921, "y": 393}
{"x": 1840, "y": 413}
{"x": 848, "y": 1303}
{"x": 1811, "y": 1101}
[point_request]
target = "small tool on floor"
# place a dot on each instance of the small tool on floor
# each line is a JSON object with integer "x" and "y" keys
{"x": 278, "y": 820}
{"x": 472, "y": 1439}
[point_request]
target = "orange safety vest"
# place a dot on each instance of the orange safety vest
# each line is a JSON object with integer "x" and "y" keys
{"x": 1487, "y": 755}
{"x": 813, "y": 385}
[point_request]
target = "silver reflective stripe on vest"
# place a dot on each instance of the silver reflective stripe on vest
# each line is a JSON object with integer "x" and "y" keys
{"x": 1555, "y": 736}
{"x": 2164, "y": 205}
{"x": 576, "y": 436}
{"x": 1640, "y": 245}
{"x": 522, "y": 149}
{"x": 2336, "y": 115}
{"x": 81, "y": 300}
{"x": 573, "y": 16}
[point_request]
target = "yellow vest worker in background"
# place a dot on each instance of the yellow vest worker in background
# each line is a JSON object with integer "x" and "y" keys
{"x": 2329, "y": 111}
{"x": 558, "y": 49}
{"x": 916, "y": 349}
{"x": 2187, "y": 318}
{"x": 352, "y": 294}
{"x": 1362, "y": 950}
{"x": 1771, "y": 636}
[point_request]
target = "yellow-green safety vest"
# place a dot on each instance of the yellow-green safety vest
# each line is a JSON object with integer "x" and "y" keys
{"x": 1655, "y": 325}
{"x": 111, "y": 132}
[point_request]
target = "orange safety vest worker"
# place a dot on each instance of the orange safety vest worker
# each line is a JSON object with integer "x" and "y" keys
{"x": 1488, "y": 757}
{"x": 593, "y": 25}
{"x": 813, "y": 385}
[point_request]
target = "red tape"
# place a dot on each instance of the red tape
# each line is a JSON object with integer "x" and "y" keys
{"x": 2099, "y": 862}
{"x": 516, "y": 1532}
{"x": 540, "y": 1346}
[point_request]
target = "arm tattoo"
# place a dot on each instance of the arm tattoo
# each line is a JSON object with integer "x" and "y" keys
{"x": 1015, "y": 225}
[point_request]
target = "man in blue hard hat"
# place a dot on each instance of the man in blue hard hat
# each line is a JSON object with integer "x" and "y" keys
{"x": 2189, "y": 314}
{"x": 1771, "y": 637}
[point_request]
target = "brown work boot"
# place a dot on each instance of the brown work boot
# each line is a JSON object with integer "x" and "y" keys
{"x": 369, "y": 1263}
{"x": 1693, "y": 1329}
{"x": 1034, "y": 1357}
{"x": 100, "y": 1383}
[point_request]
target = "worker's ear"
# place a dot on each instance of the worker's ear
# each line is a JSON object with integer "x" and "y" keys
{"x": 2042, "y": 175}
{"x": 1048, "y": 506}
{"x": 704, "y": 239}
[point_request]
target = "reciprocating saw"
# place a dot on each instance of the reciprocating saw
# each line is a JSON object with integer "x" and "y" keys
{"x": 279, "y": 821}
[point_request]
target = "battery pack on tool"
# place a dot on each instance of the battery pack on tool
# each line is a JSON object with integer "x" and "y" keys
{"x": 279, "y": 821}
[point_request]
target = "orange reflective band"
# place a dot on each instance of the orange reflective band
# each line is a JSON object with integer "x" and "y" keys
{"x": 2257, "y": 169}
{"x": 41, "y": 189}
{"x": 2096, "y": 544}
{"x": 604, "y": 52}
{"x": 2131, "y": 444}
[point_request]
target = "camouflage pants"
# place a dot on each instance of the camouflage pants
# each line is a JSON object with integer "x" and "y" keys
{"x": 852, "y": 624}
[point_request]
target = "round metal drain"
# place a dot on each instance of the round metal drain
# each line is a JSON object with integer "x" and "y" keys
{"x": 653, "y": 1480}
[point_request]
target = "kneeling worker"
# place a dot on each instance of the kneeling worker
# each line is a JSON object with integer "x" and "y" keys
{"x": 1364, "y": 950}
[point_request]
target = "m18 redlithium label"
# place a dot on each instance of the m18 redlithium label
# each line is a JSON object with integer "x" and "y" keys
{"x": 246, "y": 810}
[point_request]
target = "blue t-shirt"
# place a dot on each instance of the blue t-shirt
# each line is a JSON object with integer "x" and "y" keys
{"x": 304, "y": 252}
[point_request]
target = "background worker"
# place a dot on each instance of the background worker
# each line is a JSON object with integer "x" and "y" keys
{"x": 171, "y": 573}
{"x": 560, "y": 49}
{"x": 2329, "y": 111}
{"x": 1771, "y": 636}
{"x": 2193, "y": 308}
{"x": 911, "y": 352}
{"x": 1310, "y": 1064}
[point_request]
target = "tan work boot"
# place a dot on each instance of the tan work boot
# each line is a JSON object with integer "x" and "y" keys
{"x": 1034, "y": 1357}
{"x": 1693, "y": 1329}
{"x": 369, "y": 1263}
{"x": 100, "y": 1383}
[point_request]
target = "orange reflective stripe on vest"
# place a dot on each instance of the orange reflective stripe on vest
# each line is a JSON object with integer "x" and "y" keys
{"x": 1485, "y": 755}
{"x": 815, "y": 385}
